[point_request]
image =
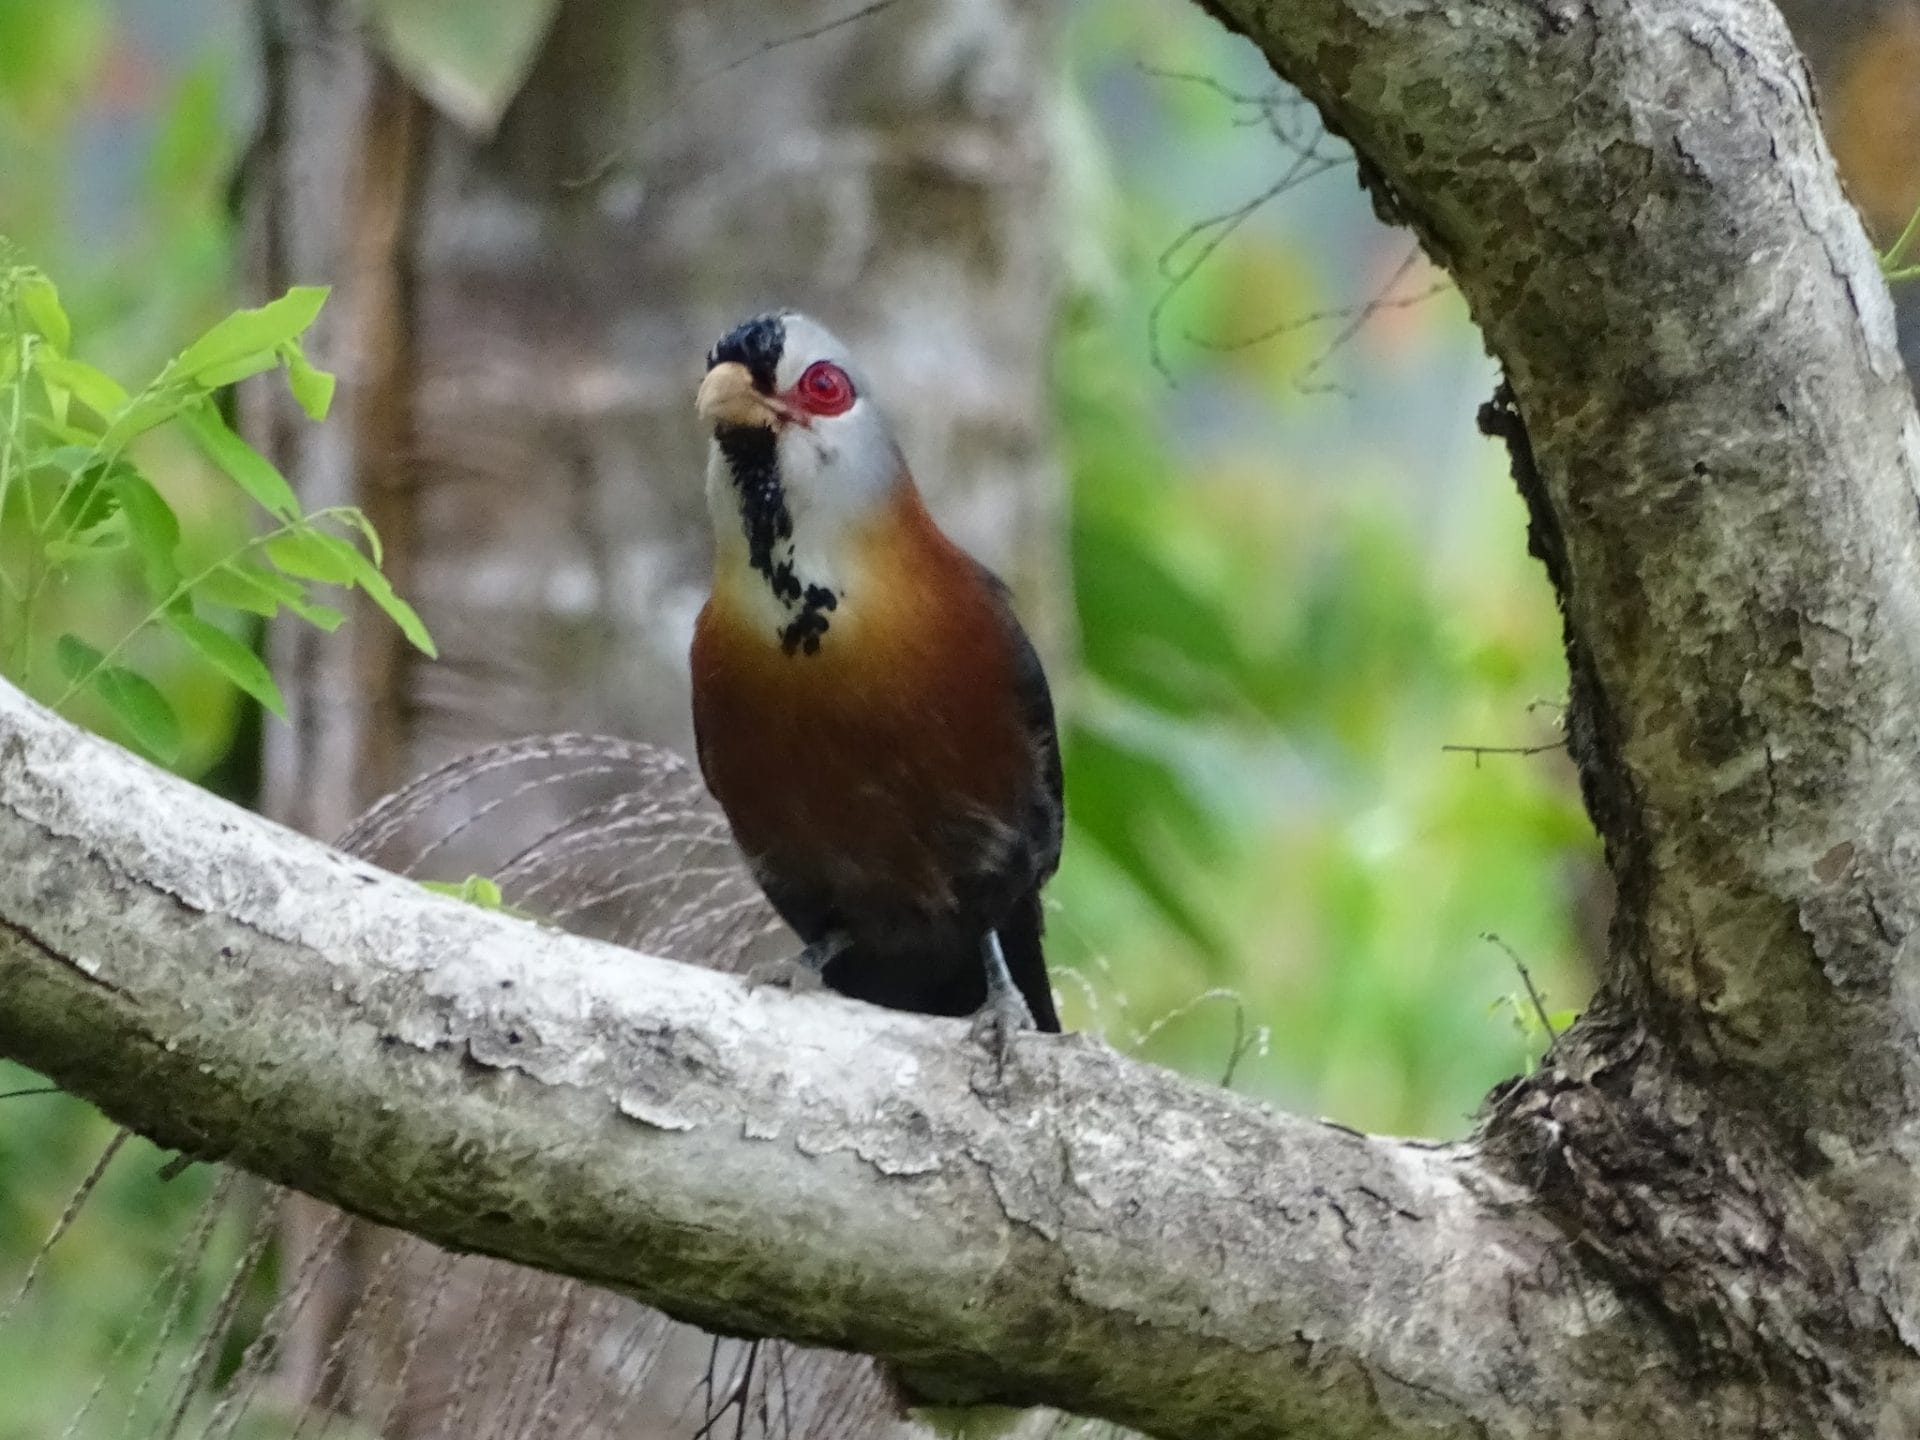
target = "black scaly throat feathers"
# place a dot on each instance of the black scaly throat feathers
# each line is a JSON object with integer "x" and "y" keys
{"x": 753, "y": 459}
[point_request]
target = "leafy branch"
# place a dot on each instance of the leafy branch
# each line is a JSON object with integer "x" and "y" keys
{"x": 74, "y": 497}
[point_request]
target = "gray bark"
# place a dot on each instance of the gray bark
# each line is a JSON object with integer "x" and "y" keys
{"x": 1698, "y": 1217}
{"x": 1081, "y": 1229}
{"x": 1718, "y": 447}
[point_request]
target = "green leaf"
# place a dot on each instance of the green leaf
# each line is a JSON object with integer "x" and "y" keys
{"x": 77, "y": 659}
{"x": 475, "y": 890}
{"x": 321, "y": 617}
{"x": 311, "y": 386}
{"x": 315, "y": 555}
{"x": 102, "y": 539}
{"x": 42, "y": 304}
{"x": 216, "y": 377}
{"x": 1128, "y": 803}
{"x": 469, "y": 57}
{"x": 230, "y": 657}
{"x": 243, "y": 464}
{"x": 151, "y": 525}
{"x": 141, "y": 708}
{"x": 146, "y": 410}
{"x": 95, "y": 389}
{"x": 85, "y": 502}
{"x": 374, "y": 585}
{"x": 247, "y": 333}
{"x": 131, "y": 697}
{"x": 240, "y": 587}
{"x": 263, "y": 592}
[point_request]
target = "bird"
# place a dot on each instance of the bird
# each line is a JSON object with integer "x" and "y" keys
{"x": 868, "y": 711}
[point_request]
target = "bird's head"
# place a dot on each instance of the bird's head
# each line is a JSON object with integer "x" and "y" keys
{"x": 781, "y": 389}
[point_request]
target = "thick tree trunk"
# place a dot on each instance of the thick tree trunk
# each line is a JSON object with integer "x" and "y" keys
{"x": 518, "y": 320}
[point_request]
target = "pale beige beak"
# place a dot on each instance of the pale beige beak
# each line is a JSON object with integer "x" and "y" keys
{"x": 727, "y": 397}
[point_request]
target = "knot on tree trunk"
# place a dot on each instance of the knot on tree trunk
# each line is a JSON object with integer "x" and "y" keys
{"x": 1707, "y": 1218}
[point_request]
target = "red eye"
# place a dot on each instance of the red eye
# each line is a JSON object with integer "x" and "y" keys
{"x": 824, "y": 389}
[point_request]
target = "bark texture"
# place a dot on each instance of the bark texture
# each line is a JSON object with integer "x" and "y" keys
{"x": 1079, "y": 1229}
{"x": 1714, "y": 434}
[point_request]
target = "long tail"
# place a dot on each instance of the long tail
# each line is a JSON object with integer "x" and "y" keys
{"x": 1027, "y": 961}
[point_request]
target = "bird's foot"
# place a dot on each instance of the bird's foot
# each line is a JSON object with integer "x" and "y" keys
{"x": 797, "y": 973}
{"x": 1006, "y": 1012}
{"x": 995, "y": 1023}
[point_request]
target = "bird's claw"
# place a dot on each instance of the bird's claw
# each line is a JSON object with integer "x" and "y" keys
{"x": 996, "y": 1023}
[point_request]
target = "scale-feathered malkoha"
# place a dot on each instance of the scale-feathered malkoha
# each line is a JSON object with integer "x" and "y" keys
{"x": 869, "y": 712}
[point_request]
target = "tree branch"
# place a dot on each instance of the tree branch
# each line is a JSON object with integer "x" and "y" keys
{"x": 1637, "y": 203}
{"x": 1715, "y": 438}
{"x": 1085, "y": 1231}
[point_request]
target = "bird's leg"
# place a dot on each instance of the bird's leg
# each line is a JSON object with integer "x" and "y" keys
{"x": 1005, "y": 1014}
{"x": 802, "y": 972}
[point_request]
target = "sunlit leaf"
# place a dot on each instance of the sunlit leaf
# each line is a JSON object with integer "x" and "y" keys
{"x": 98, "y": 391}
{"x": 239, "y": 461}
{"x": 42, "y": 304}
{"x": 315, "y": 555}
{"x": 311, "y": 386}
{"x": 248, "y": 333}
{"x": 230, "y": 657}
{"x": 232, "y": 372}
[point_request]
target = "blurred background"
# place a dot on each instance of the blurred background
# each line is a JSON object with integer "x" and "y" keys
{"x": 1152, "y": 357}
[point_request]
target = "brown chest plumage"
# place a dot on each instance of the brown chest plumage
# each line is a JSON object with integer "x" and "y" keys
{"x": 891, "y": 766}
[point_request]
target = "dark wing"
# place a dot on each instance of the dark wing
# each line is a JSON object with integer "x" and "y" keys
{"x": 1046, "y": 819}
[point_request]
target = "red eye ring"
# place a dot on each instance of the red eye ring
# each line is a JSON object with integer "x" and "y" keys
{"x": 824, "y": 389}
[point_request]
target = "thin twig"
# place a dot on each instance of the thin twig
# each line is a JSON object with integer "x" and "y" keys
{"x": 1477, "y": 751}
{"x": 1526, "y": 978}
{"x": 1319, "y": 317}
{"x": 612, "y": 159}
{"x": 798, "y": 37}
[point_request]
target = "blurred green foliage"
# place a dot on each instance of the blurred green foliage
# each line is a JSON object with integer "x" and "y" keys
{"x": 80, "y": 519}
{"x": 1298, "y": 576}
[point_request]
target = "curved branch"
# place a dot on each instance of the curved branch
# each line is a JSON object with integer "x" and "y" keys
{"x": 1085, "y": 1230}
{"x": 1638, "y": 204}
{"x": 1716, "y": 441}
